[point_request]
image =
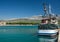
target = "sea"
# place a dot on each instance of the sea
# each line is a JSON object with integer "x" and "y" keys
{"x": 25, "y": 33}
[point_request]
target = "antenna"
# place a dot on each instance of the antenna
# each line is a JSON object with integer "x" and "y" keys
{"x": 50, "y": 9}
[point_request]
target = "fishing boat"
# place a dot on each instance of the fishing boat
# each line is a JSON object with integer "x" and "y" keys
{"x": 49, "y": 24}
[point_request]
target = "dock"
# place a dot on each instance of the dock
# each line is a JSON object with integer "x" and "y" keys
{"x": 59, "y": 35}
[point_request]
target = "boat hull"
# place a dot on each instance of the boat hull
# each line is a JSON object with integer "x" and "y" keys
{"x": 47, "y": 32}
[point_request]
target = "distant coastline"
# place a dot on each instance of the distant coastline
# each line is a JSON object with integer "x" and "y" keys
{"x": 34, "y": 20}
{"x": 18, "y": 25}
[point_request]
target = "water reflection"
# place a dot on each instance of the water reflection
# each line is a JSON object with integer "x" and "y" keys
{"x": 22, "y": 34}
{"x": 47, "y": 39}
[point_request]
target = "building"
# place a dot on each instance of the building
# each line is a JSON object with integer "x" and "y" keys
{"x": 2, "y": 23}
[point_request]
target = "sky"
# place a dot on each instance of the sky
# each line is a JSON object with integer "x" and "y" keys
{"x": 26, "y": 8}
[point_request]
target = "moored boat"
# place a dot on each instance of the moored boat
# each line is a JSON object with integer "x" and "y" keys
{"x": 49, "y": 24}
{"x": 48, "y": 29}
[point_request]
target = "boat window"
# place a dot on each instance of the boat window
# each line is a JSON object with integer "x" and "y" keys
{"x": 48, "y": 26}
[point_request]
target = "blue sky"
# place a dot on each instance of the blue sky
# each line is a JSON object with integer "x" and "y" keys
{"x": 25, "y": 8}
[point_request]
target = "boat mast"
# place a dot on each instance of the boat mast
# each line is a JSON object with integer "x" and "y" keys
{"x": 47, "y": 12}
{"x": 45, "y": 9}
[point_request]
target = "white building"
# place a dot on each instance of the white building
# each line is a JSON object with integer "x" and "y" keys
{"x": 2, "y": 23}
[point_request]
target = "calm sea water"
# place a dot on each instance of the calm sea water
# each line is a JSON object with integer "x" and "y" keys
{"x": 20, "y": 34}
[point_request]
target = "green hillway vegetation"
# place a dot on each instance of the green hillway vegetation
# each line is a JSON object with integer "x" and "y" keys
{"x": 27, "y": 22}
{"x": 32, "y": 22}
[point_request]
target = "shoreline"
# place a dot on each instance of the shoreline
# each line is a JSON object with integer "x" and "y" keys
{"x": 18, "y": 25}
